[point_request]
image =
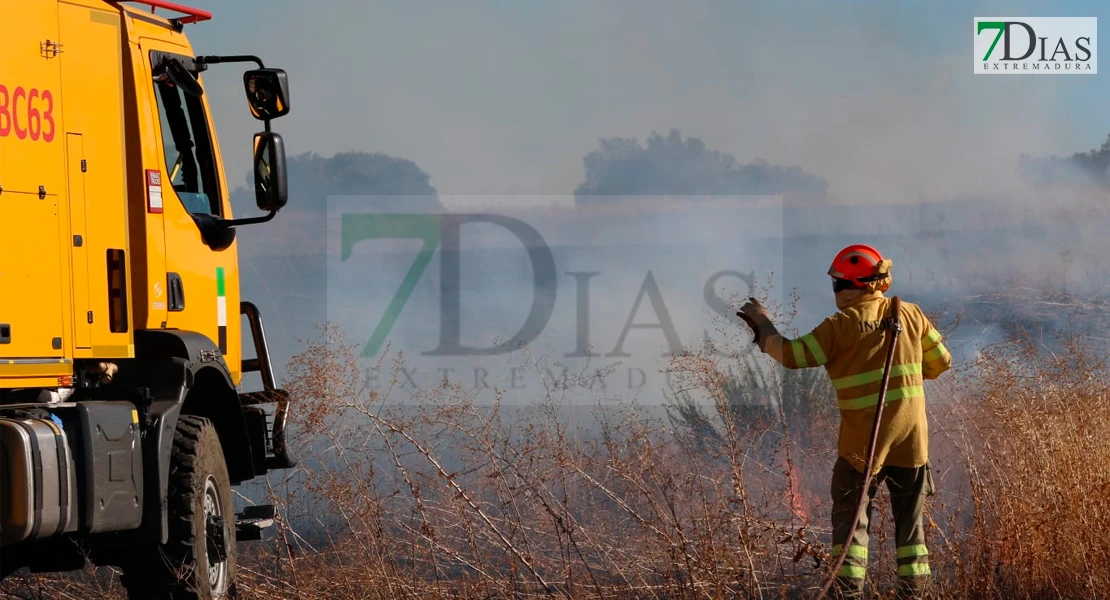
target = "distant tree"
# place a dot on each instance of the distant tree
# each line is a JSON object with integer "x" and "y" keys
{"x": 1095, "y": 162}
{"x": 669, "y": 165}
{"x": 1092, "y": 166}
{"x": 390, "y": 183}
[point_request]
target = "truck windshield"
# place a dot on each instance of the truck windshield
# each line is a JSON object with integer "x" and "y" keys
{"x": 189, "y": 159}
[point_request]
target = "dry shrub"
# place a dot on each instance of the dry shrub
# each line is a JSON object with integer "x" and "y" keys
{"x": 440, "y": 496}
{"x": 1036, "y": 439}
{"x": 446, "y": 497}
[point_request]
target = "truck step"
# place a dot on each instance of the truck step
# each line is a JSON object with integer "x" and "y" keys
{"x": 250, "y": 523}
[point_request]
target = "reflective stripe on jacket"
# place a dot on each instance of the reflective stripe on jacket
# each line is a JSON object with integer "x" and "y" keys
{"x": 851, "y": 345}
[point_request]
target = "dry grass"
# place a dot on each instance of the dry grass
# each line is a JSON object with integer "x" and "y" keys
{"x": 448, "y": 498}
{"x": 466, "y": 500}
{"x": 1035, "y": 435}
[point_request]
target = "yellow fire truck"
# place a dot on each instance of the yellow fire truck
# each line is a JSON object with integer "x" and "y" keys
{"x": 122, "y": 419}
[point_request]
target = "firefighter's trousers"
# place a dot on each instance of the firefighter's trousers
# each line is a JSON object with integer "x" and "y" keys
{"x": 908, "y": 490}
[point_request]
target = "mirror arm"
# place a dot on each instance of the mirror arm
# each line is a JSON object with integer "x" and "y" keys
{"x": 212, "y": 60}
{"x": 248, "y": 221}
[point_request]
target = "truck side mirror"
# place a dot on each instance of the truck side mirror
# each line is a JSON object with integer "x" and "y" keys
{"x": 271, "y": 188}
{"x": 267, "y": 93}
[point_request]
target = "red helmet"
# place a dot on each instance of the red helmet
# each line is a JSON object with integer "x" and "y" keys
{"x": 857, "y": 263}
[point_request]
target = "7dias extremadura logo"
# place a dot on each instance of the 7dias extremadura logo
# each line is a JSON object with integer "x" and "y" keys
{"x": 1036, "y": 45}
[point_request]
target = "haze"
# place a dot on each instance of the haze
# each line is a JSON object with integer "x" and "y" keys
{"x": 507, "y": 97}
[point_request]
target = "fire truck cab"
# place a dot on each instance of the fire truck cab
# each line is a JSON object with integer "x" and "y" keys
{"x": 122, "y": 419}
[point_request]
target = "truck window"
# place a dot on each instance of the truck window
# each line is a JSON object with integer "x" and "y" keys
{"x": 187, "y": 148}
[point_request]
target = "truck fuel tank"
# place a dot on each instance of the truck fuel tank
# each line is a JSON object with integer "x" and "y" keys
{"x": 39, "y": 480}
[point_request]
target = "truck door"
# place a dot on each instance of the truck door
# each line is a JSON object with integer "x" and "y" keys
{"x": 200, "y": 272}
{"x": 34, "y": 269}
{"x": 92, "y": 77}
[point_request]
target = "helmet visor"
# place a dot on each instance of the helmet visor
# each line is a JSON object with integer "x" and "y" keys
{"x": 839, "y": 285}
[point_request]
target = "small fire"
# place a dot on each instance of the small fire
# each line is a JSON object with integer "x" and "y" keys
{"x": 794, "y": 494}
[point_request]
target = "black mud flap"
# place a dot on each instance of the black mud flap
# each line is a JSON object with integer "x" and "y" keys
{"x": 277, "y": 451}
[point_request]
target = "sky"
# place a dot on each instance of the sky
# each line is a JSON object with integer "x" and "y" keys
{"x": 506, "y": 98}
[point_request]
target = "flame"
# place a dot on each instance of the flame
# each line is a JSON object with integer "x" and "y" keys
{"x": 794, "y": 494}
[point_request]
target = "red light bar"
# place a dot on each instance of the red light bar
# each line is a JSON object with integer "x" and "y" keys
{"x": 195, "y": 15}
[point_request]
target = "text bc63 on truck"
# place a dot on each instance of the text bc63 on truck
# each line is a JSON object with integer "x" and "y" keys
{"x": 122, "y": 422}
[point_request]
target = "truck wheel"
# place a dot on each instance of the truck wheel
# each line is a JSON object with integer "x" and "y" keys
{"x": 198, "y": 561}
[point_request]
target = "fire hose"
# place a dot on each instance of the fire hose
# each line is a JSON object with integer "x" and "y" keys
{"x": 896, "y": 328}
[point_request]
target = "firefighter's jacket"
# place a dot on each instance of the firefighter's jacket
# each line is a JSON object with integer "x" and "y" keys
{"x": 852, "y": 346}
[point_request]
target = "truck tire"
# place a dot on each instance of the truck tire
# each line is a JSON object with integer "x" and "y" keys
{"x": 190, "y": 566}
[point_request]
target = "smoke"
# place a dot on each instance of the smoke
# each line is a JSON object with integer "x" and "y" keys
{"x": 875, "y": 107}
{"x": 878, "y": 99}
{"x": 1008, "y": 266}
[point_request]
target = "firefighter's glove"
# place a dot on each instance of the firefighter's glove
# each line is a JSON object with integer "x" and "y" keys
{"x": 758, "y": 320}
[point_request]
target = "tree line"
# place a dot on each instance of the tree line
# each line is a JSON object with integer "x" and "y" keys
{"x": 618, "y": 169}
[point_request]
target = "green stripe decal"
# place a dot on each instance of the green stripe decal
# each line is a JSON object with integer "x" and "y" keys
{"x": 914, "y": 570}
{"x": 914, "y": 550}
{"x": 938, "y": 352}
{"x": 814, "y": 348}
{"x": 853, "y": 572}
{"x": 853, "y": 550}
{"x": 221, "y": 311}
{"x": 799, "y": 353}
{"x": 911, "y": 391}
{"x": 876, "y": 375}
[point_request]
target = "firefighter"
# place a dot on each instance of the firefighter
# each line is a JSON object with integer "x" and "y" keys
{"x": 852, "y": 346}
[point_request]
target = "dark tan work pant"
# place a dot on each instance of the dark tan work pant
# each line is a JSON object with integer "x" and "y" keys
{"x": 908, "y": 490}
